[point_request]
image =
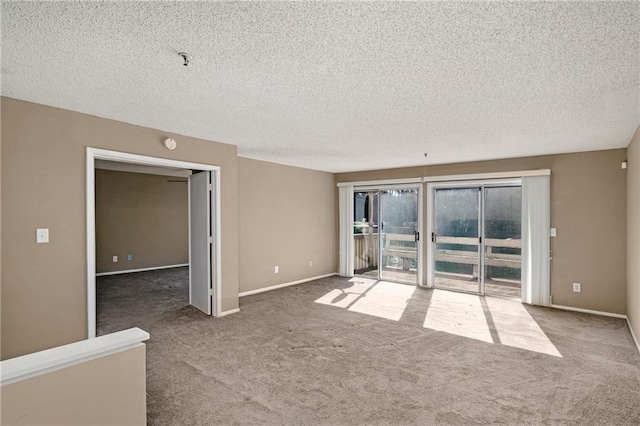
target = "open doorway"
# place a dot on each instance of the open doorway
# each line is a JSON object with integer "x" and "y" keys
{"x": 203, "y": 195}
{"x": 142, "y": 244}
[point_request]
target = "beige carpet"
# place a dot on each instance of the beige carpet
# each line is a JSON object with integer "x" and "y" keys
{"x": 336, "y": 351}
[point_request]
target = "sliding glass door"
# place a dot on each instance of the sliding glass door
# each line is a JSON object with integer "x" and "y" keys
{"x": 386, "y": 234}
{"x": 503, "y": 240}
{"x": 456, "y": 238}
{"x": 399, "y": 235}
{"x": 476, "y": 238}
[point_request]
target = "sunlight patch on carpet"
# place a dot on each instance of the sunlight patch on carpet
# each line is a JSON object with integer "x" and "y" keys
{"x": 372, "y": 297}
{"x": 457, "y": 313}
{"x": 385, "y": 300}
{"x": 488, "y": 319}
{"x": 517, "y": 329}
{"x": 343, "y": 298}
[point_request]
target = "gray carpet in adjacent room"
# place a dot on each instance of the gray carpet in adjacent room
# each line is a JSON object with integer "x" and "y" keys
{"x": 286, "y": 359}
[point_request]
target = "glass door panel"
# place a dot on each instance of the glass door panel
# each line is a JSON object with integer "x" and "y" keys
{"x": 365, "y": 233}
{"x": 503, "y": 240}
{"x": 455, "y": 239}
{"x": 399, "y": 235}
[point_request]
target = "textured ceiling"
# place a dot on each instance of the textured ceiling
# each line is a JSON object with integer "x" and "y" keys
{"x": 340, "y": 86}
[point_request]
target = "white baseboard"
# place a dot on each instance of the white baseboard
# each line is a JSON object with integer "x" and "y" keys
{"x": 277, "y": 286}
{"x": 153, "y": 268}
{"x": 635, "y": 339}
{"x": 229, "y": 312}
{"x": 589, "y": 311}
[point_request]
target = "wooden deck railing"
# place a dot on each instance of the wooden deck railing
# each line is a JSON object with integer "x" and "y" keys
{"x": 395, "y": 246}
{"x": 472, "y": 257}
{"x": 366, "y": 249}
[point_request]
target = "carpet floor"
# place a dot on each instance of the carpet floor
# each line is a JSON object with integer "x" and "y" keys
{"x": 338, "y": 351}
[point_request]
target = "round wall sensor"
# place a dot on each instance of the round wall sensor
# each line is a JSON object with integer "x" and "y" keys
{"x": 170, "y": 143}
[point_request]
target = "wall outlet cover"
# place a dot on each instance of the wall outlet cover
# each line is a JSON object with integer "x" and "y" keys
{"x": 129, "y": 257}
{"x": 276, "y": 270}
{"x": 42, "y": 235}
{"x": 115, "y": 259}
{"x": 577, "y": 288}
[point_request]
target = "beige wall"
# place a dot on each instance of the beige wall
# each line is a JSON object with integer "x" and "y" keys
{"x": 287, "y": 218}
{"x": 588, "y": 208}
{"x": 143, "y": 215}
{"x": 287, "y": 215}
{"x": 0, "y": 215}
{"x": 44, "y": 289}
{"x": 633, "y": 234}
{"x": 110, "y": 390}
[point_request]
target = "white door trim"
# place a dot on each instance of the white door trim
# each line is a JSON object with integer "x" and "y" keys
{"x": 485, "y": 176}
{"x": 94, "y": 154}
{"x": 378, "y": 183}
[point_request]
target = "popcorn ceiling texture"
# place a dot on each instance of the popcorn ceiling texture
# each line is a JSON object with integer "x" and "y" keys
{"x": 340, "y": 86}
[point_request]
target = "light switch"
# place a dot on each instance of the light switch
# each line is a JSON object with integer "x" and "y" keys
{"x": 553, "y": 232}
{"x": 42, "y": 235}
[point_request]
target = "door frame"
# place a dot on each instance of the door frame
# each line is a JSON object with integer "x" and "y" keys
{"x": 93, "y": 154}
{"x": 419, "y": 244}
{"x": 431, "y": 193}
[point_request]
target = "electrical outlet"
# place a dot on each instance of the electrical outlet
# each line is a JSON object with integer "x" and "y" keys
{"x": 276, "y": 270}
{"x": 577, "y": 288}
{"x": 310, "y": 263}
{"x": 129, "y": 257}
{"x": 115, "y": 259}
{"x": 42, "y": 235}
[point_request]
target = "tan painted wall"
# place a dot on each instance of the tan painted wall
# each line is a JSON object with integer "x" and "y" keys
{"x": 0, "y": 213}
{"x": 44, "y": 288}
{"x": 633, "y": 234}
{"x": 588, "y": 208}
{"x": 287, "y": 218}
{"x": 105, "y": 391}
{"x": 142, "y": 215}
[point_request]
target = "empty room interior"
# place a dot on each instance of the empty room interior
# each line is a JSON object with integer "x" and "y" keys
{"x": 319, "y": 213}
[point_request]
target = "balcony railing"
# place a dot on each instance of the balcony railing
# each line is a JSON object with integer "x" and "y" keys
{"x": 465, "y": 256}
{"x": 365, "y": 251}
{"x": 367, "y": 246}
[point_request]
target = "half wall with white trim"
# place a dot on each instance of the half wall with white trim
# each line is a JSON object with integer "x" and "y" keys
{"x": 74, "y": 384}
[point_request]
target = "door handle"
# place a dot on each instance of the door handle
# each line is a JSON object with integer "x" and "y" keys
{"x": 433, "y": 237}
{"x": 416, "y": 234}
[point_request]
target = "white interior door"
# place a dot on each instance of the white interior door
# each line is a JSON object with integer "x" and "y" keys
{"x": 200, "y": 241}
